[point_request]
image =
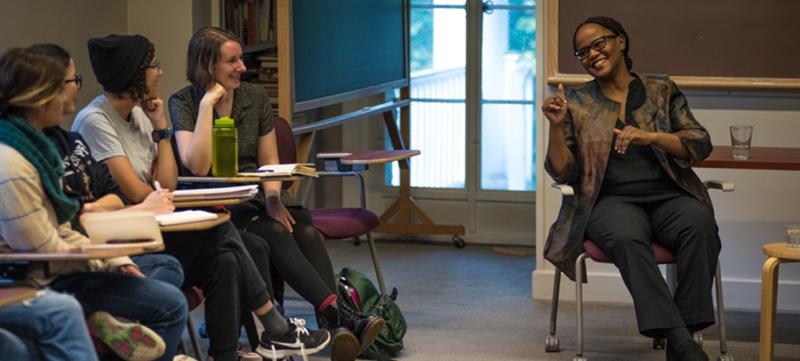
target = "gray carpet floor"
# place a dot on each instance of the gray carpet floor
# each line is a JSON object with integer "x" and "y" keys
{"x": 473, "y": 304}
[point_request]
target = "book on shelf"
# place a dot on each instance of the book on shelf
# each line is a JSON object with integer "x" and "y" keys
{"x": 284, "y": 170}
{"x": 197, "y": 194}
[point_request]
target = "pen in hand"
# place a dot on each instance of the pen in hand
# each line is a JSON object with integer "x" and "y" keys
{"x": 157, "y": 185}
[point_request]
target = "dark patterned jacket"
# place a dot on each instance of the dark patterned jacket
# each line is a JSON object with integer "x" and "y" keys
{"x": 588, "y": 130}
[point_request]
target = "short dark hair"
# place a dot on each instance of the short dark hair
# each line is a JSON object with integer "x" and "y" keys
{"x": 615, "y": 27}
{"x": 204, "y": 52}
{"x": 28, "y": 79}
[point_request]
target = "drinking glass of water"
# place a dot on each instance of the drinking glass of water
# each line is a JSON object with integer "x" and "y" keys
{"x": 741, "y": 135}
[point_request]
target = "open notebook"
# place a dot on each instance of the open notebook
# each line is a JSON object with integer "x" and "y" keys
{"x": 215, "y": 193}
{"x": 122, "y": 230}
{"x": 283, "y": 170}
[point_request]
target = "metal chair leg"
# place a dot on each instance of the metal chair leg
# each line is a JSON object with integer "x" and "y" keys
{"x": 375, "y": 262}
{"x": 723, "y": 336}
{"x": 580, "y": 264}
{"x": 198, "y": 351}
{"x": 551, "y": 342}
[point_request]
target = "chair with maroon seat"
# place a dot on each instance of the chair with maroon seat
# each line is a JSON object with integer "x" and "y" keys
{"x": 663, "y": 256}
{"x": 335, "y": 223}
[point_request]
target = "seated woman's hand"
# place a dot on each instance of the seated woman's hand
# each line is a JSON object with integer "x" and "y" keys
{"x": 277, "y": 211}
{"x": 631, "y": 135}
{"x": 130, "y": 270}
{"x": 159, "y": 202}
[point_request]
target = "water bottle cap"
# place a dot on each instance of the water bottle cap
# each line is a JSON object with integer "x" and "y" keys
{"x": 223, "y": 121}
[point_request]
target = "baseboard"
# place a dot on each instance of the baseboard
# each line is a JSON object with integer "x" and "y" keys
{"x": 738, "y": 294}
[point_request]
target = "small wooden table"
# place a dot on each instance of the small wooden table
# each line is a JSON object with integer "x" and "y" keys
{"x": 778, "y": 253}
{"x": 770, "y": 158}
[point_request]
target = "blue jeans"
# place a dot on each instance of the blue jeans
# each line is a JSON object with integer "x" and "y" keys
{"x": 13, "y": 348}
{"x": 162, "y": 267}
{"x": 155, "y": 304}
{"x": 50, "y": 327}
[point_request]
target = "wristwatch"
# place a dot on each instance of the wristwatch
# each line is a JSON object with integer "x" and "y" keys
{"x": 161, "y": 134}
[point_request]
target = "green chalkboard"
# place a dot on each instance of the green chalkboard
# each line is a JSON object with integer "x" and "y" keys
{"x": 343, "y": 49}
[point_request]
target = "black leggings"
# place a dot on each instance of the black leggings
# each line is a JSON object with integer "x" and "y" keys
{"x": 624, "y": 227}
{"x": 299, "y": 257}
{"x": 216, "y": 261}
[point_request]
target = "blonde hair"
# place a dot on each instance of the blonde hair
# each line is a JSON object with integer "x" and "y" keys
{"x": 28, "y": 79}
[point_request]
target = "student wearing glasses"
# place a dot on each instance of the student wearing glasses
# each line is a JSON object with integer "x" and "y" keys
{"x": 627, "y": 143}
{"x": 126, "y": 129}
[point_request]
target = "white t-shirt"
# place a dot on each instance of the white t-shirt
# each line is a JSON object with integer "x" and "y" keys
{"x": 108, "y": 135}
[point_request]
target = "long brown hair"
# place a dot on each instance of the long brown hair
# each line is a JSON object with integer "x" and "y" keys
{"x": 204, "y": 52}
{"x": 28, "y": 79}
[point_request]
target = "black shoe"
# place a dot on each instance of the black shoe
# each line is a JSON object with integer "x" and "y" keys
{"x": 344, "y": 345}
{"x": 687, "y": 351}
{"x": 366, "y": 328}
{"x": 299, "y": 341}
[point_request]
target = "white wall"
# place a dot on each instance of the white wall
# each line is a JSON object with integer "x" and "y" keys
{"x": 748, "y": 218}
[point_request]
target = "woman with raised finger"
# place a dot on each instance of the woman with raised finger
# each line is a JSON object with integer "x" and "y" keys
{"x": 627, "y": 143}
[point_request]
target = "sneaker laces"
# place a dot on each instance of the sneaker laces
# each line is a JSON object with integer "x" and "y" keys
{"x": 300, "y": 329}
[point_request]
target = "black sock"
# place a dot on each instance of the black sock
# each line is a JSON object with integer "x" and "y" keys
{"x": 274, "y": 324}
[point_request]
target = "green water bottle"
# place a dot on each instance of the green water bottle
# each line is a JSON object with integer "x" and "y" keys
{"x": 224, "y": 148}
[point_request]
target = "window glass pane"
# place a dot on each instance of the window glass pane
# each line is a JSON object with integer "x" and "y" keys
{"x": 508, "y": 141}
{"x": 437, "y": 130}
{"x": 514, "y": 2}
{"x": 508, "y": 160}
{"x": 509, "y": 45}
{"x": 438, "y": 45}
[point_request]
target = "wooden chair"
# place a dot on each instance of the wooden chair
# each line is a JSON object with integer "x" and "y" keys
{"x": 777, "y": 253}
{"x": 662, "y": 255}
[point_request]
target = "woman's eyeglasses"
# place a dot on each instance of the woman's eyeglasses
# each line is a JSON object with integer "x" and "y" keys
{"x": 156, "y": 65}
{"x": 596, "y": 45}
{"x": 77, "y": 79}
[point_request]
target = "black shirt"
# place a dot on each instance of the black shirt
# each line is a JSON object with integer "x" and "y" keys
{"x": 637, "y": 171}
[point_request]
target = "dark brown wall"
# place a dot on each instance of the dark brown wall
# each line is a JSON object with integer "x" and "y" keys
{"x": 726, "y": 38}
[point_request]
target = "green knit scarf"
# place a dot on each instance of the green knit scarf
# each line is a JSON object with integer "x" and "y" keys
{"x": 17, "y": 133}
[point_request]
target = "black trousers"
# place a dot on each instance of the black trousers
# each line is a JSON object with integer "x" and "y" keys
{"x": 216, "y": 261}
{"x": 624, "y": 227}
{"x": 299, "y": 257}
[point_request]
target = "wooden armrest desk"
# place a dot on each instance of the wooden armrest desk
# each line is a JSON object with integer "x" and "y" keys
{"x": 15, "y": 294}
{"x": 197, "y": 226}
{"x": 211, "y": 202}
{"x": 235, "y": 179}
{"x": 358, "y": 161}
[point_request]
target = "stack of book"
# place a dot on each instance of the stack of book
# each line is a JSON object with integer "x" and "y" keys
{"x": 268, "y": 78}
{"x": 198, "y": 194}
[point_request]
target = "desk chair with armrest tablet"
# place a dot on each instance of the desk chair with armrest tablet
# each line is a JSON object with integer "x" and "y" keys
{"x": 663, "y": 256}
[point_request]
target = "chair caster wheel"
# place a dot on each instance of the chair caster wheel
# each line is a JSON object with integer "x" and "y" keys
{"x": 659, "y": 343}
{"x": 578, "y": 359}
{"x": 458, "y": 242}
{"x": 725, "y": 358}
{"x": 698, "y": 338}
{"x": 551, "y": 344}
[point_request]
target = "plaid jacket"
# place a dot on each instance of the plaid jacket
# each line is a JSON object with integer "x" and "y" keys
{"x": 588, "y": 130}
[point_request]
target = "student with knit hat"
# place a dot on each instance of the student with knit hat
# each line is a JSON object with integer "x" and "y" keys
{"x": 126, "y": 129}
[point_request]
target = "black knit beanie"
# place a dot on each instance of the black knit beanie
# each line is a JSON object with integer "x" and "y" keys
{"x": 116, "y": 59}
